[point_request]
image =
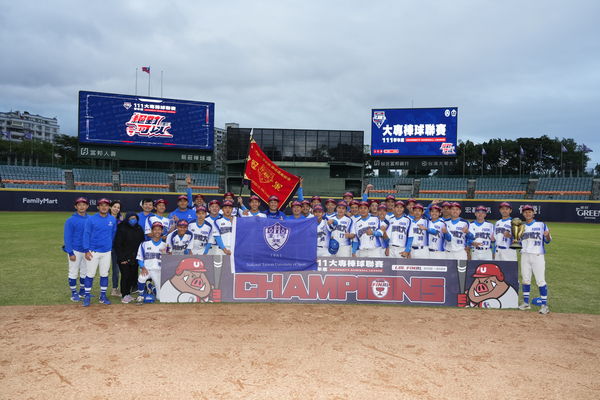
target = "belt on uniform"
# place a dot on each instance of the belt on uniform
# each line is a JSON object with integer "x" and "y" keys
{"x": 435, "y": 250}
{"x": 321, "y": 247}
{"x": 395, "y": 245}
{"x": 417, "y": 247}
{"x": 481, "y": 248}
{"x": 501, "y": 247}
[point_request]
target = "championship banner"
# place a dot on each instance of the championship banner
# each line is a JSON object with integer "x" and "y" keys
{"x": 266, "y": 178}
{"x": 265, "y": 244}
{"x": 450, "y": 283}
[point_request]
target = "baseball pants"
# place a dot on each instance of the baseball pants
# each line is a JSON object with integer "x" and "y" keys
{"x": 422, "y": 253}
{"x": 153, "y": 274}
{"x": 99, "y": 261}
{"x": 536, "y": 264}
{"x": 506, "y": 255}
{"x": 456, "y": 255}
{"x": 369, "y": 253}
{"x": 77, "y": 267}
{"x": 395, "y": 251}
{"x": 481, "y": 254}
{"x": 323, "y": 252}
{"x": 437, "y": 255}
{"x": 343, "y": 251}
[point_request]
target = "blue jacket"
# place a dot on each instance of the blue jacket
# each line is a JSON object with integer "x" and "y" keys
{"x": 189, "y": 215}
{"x": 73, "y": 235}
{"x": 99, "y": 233}
{"x": 142, "y": 219}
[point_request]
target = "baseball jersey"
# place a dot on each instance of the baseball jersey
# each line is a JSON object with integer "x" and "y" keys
{"x": 482, "y": 233}
{"x": 503, "y": 225}
{"x": 212, "y": 221}
{"x": 275, "y": 215}
{"x": 142, "y": 216}
{"x": 420, "y": 237}
{"x": 437, "y": 240}
{"x": 309, "y": 215}
{"x": 234, "y": 212}
{"x": 323, "y": 234}
{"x": 166, "y": 221}
{"x": 458, "y": 239}
{"x": 188, "y": 214}
{"x": 201, "y": 235}
{"x": 251, "y": 214}
{"x": 99, "y": 232}
{"x": 73, "y": 234}
{"x": 533, "y": 239}
{"x": 179, "y": 245}
{"x": 149, "y": 253}
{"x": 330, "y": 215}
{"x": 339, "y": 228}
{"x": 224, "y": 229}
{"x": 364, "y": 240}
{"x": 399, "y": 231}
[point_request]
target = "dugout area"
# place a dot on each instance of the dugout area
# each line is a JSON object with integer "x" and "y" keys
{"x": 295, "y": 351}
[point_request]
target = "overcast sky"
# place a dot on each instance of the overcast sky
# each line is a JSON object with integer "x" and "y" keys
{"x": 513, "y": 68}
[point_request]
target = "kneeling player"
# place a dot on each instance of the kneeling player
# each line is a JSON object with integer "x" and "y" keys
{"x": 535, "y": 236}
{"x": 148, "y": 256}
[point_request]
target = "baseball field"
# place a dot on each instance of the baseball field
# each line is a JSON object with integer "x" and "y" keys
{"x": 52, "y": 348}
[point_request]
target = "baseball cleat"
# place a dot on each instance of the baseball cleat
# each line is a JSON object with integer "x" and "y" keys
{"x": 140, "y": 299}
{"x": 75, "y": 297}
{"x": 544, "y": 309}
{"x": 524, "y": 306}
{"x": 86, "y": 300}
{"x": 126, "y": 299}
{"x": 104, "y": 300}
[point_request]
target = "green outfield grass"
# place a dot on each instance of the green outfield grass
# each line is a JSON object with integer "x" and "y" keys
{"x": 33, "y": 268}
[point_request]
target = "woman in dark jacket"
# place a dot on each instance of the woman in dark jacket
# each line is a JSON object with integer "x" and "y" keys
{"x": 127, "y": 241}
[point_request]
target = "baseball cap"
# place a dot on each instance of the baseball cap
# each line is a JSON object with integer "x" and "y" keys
{"x": 390, "y": 197}
{"x": 81, "y": 200}
{"x": 342, "y": 203}
{"x": 103, "y": 200}
{"x": 214, "y": 202}
{"x": 254, "y": 197}
{"x": 505, "y": 204}
{"x": 228, "y": 194}
{"x": 489, "y": 270}
{"x": 315, "y": 198}
{"x": 355, "y": 202}
{"x": 190, "y": 264}
{"x": 157, "y": 223}
{"x": 274, "y": 198}
{"x": 400, "y": 203}
{"x": 371, "y": 201}
{"x": 305, "y": 202}
{"x": 201, "y": 208}
{"x": 228, "y": 203}
{"x": 456, "y": 204}
{"x": 198, "y": 196}
{"x": 348, "y": 194}
{"x": 382, "y": 207}
{"x": 158, "y": 201}
{"x": 182, "y": 197}
{"x": 527, "y": 207}
{"x": 435, "y": 207}
{"x": 363, "y": 203}
{"x": 296, "y": 203}
{"x": 411, "y": 201}
{"x": 181, "y": 222}
{"x": 481, "y": 208}
{"x": 318, "y": 208}
{"x": 446, "y": 204}
{"x": 329, "y": 201}
{"x": 418, "y": 205}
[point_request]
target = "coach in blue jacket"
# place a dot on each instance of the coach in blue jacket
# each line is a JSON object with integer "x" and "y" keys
{"x": 98, "y": 237}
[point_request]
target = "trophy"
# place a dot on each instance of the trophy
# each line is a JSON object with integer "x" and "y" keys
{"x": 517, "y": 228}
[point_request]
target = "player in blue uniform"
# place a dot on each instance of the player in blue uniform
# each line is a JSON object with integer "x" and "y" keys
{"x": 296, "y": 211}
{"x": 73, "y": 239}
{"x": 98, "y": 235}
{"x": 182, "y": 211}
{"x": 147, "y": 206}
{"x": 273, "y": 211}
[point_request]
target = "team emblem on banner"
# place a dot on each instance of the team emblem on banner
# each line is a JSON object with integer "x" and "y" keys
{"x": 127, "y": 105}
{"x": 276, "y": 236}
{"x": 265, "y": 175}
{"x": 380, "y": 288}
{"x": 378, "y": 118}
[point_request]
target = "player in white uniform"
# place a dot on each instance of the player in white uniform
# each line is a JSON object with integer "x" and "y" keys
{"x": 368, "y": 233}
{"x": 159, "y": 216}
{"x": 306, "y": 208}
{"x": 223, "y": 234}
{"x": 254, "y": 210}
{"x": 179, "y": 242}
{"x": 534, "y": 239}
{"x": 437, "y": 240}
{"x": 458, "y": 229}
{"x": 420, "y": 234}
{"x": 383, "y": 217}
{"x": 353, "y": 213}
{"x": 341, "y": 230}
{"x": 229, "y": 197}
{"x": 201, "y": 232}
{"x": 213, "y": 208}
{"x": 330, "y": 206}
{"x": 323, "y": 233}
{"x": 503, "y": 235}
{"x": 398, "y": 233}
{"x": 483, "y": 236}
{"x": 148, "y": 256}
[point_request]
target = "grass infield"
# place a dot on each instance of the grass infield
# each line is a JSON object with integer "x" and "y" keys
{"x": 33, "y": 268}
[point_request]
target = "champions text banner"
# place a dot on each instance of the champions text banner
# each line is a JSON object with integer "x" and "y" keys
{"x": 265, "y": 244}
{"x": 266, "y": 178}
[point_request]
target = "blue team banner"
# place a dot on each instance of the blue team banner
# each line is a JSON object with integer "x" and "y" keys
{"x": 265, "y": 244}
{"x": 414, "y": 132}
{"x": 126, "y": 120}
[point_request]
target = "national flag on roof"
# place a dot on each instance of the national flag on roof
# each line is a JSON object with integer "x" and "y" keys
{"x": 28, "y": 135}
{"x": 146, "y": 69}
{"x": 521, "y": 151}
{"x": 586, "y": 149}
{"x": 563, "y": 149}
{"x": 483, "y": 152}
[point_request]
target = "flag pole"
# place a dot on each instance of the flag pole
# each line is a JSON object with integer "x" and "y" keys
{"x": 136, "y": 71}
{"x": 161, "y": 83}
{"x": 562, "y": 171}
{"x": 149, "y": 72}
{"x": 246, "y": 162}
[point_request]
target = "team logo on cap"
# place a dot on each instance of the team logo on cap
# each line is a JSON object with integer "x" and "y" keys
{"x": 276, "y": 236}
{"x": 380, "y": 288}
{"x": 378, "y": 118}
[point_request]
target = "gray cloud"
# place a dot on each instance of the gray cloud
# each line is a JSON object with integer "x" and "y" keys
{"x": 513, "y": 68}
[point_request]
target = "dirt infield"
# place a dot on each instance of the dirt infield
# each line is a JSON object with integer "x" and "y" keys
{"x": 275, "y": 351}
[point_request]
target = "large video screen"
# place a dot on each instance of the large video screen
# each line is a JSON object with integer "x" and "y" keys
{"x": 414, "y": 132}
{"x": 118, "y": 119}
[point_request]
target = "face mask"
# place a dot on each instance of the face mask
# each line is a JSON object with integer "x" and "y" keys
{"x": 132, "y": 222}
